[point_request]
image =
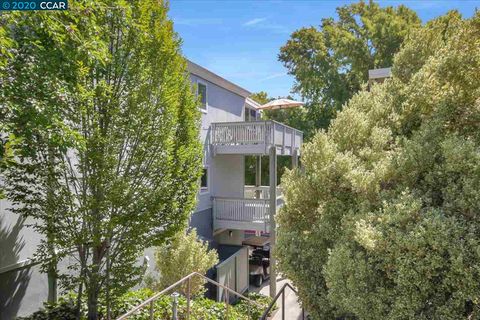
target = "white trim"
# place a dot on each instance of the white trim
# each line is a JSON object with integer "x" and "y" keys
{"x": 254, "y": 104}
{"x": 19, "y": 265}
{"x": 204, "y": 83}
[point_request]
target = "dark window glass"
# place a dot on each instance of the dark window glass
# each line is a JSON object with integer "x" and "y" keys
{"x": 204, "y": 180}
{"x": 250, "y": 114}
{"x": 253, "y": 115}
{"x": 202, "y": 93}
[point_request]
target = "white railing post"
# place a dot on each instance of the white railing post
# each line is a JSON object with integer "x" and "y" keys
{"x": 214, "y": 214}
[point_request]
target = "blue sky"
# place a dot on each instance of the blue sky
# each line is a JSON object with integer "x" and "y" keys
{"x": 240, "y": 40}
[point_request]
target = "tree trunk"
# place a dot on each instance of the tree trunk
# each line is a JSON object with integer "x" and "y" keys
{"x": 52, "y": 283}
{"x": 94, "y": 283}
{"x": 51, "y": 226}
{"x": 93, "y": 302}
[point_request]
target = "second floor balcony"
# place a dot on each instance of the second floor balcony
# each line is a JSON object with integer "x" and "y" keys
{"x": 255, "y": 137}
{"x": 252, "y": 212}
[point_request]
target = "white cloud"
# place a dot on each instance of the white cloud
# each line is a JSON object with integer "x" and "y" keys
{"x": 254, "y": 22}
{"x": 274, "y": 76}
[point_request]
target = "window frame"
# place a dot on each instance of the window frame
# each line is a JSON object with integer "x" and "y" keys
{"x": 206, "y": 189}
{"x": 247, "y": 117}
{"x": 203, "y": 83}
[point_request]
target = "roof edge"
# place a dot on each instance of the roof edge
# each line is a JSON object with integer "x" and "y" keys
{"x": 208, "y": 75}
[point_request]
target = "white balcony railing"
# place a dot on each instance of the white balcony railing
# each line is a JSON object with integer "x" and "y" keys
{"x": 261, "y": 134}
{"x": 241, "y": 210}
{"x": 249, "y": 213}
{"x": 260, "y": 192}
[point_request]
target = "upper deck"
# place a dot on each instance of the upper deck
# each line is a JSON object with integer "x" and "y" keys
{"x": 254, "y": 137}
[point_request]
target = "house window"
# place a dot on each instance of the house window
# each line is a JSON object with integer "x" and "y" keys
{"x": 250, "y": 114}
{"x": 202, "y": 94}
{"x": 204, "y": 181}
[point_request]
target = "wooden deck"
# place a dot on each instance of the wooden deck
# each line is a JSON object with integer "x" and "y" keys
{"x": 255, "y": 137}
{"x": 249, "y": 213}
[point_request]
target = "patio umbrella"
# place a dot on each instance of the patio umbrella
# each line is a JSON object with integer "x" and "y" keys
{"x": 281, "y": 104}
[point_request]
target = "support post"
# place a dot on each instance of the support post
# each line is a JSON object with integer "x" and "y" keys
{"x": 273, "y": 210}
{"x": 151, "y": 310}
{"x": 258, "y": 176}
{"x": 175, "y": 296}
{"x": 188, "y": 298}
{"x": 294, "y": 159}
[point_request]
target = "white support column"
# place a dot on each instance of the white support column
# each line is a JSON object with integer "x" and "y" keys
{"x": 273, "y": 211}
{"x": 294, "y": 159}
{"x": 258, "y": 176}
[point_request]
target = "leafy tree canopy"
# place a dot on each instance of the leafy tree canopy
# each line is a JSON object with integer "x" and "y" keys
{"x": 331, "y": 62}
{"x": 109, "y": 155}
{"x": 383, "y": 221}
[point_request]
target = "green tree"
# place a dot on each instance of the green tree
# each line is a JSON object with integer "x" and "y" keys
{"x": 180, "y": 257}
{"x": 331, "y": 62}
{"x": 109, "y": 155}
{"x": 382, "y": 222}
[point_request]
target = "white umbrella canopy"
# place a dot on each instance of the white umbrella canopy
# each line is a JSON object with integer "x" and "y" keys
{"x": 281, "y": 104}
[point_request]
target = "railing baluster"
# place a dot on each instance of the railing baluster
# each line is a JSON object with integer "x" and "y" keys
{"x": 188, "y": 299}
{"x": 151, "y": 310}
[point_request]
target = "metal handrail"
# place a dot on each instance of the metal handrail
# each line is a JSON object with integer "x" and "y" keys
{"x": 152, "y": 299}
{"x": 272, "y": 304}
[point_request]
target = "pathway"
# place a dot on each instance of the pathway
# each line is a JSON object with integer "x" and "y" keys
{"x": 293, "y": 311}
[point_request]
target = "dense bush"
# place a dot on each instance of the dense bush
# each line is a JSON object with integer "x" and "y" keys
{"x": 384, "y": 220}
{"x": 255, "y": 312}
{"x": 185, "y": 254}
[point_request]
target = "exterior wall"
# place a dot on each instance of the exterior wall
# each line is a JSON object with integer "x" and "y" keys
{"x": 202, "y": 221}
{"x": 22, "y": 288}
{"x": 222, "y": 106}
{"x": 235, "y": 239}
{"x": 22, "y": 292}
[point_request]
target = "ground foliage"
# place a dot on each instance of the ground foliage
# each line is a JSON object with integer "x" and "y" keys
{"x": 382, "y": 221}
{"x": 200, "y": 308}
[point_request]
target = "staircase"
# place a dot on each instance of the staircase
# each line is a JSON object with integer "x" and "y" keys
{"x": 149, "y": 303}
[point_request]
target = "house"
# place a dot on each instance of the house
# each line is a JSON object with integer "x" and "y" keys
{"x": 230, "y": 131}
{"x": 379, "y": 75}
{"x": 227, "y": 207}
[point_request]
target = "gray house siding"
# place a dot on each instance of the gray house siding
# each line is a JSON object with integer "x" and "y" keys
{"x": 22, "y": 292}
{"x": 222, "y": 106}
{"x": 202, "y": 221}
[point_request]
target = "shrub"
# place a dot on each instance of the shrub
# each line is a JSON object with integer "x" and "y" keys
{"x": 200, "y": 308}
{"x": 246, "y": 308}
{"x": 65, "y": 309}
{"x": 383, "y": 220}
{"x": 183, "y": 255}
